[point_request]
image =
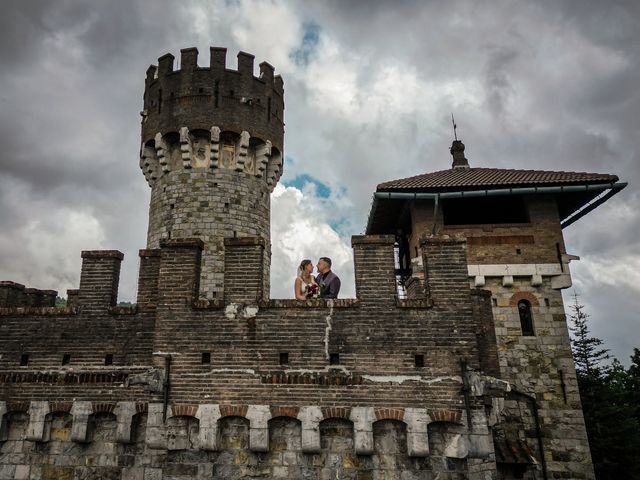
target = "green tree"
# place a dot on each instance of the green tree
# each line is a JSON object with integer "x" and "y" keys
{"x": 607, "y": 403}
{"x": 588, "y": 353}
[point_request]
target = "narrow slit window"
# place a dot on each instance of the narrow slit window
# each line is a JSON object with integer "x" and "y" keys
{"x": 24, "y": 359}
{"x": 284, "y": 358}
{"x": 206, "y": 358}
{"x": 419, "y": 361}
{"x": 526, "y": 318}
{"x": 66, "y": 358}
{"x": 108, "y": 359}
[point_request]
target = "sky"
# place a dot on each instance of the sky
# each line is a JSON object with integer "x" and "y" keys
{"x": 369, "y": 90}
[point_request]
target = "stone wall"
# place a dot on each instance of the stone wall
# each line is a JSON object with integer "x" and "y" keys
{"x": 212, "y": 152}
{"x": 542, "y": 365}
{"x": 105, "y": 453}
{"x": 527, "y": 243}
{"x": 248, "y": 386}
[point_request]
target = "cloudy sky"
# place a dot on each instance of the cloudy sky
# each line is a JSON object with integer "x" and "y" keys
{"x": 370, "y": 86}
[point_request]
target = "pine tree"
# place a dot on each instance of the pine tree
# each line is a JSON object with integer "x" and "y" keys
{"x": 612, "y": 427}
{"x": 588, "y": 352}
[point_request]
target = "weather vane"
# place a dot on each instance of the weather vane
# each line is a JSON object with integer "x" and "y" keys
{"x": 455, "y": 135}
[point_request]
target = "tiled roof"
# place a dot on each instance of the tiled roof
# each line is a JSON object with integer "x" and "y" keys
{"x": 466, "y": 178}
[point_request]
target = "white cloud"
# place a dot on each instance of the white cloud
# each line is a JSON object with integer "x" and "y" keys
{"x": 300, "y": 229}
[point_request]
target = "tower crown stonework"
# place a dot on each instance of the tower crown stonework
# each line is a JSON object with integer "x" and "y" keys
{"x": 212, "y": 152}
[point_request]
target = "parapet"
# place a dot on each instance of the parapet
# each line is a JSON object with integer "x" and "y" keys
{"x": 14, "y": 294}
{"x": 201, "y": 97}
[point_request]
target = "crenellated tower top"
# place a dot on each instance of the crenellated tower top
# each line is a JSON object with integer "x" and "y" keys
{"x": 212, "y": 152}
{"x": 201, "y": 97}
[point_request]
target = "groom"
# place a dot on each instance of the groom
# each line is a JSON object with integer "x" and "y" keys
{"x": 328, "y": 281}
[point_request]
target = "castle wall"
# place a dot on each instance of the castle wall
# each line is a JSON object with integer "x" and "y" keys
{"x": 212, "y": 206}
{"x": 212, "y": 152}
{"x": 244, "y": 410}
{"x": 526, "y": 262}
{"x": 542, "y": 365}
{"x": 499, "y": 243}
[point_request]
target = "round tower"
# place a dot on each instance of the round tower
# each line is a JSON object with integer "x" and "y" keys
{"x": 212, "y": 152}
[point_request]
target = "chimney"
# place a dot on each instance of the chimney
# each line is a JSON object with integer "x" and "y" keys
{"x": 457, "y": 150}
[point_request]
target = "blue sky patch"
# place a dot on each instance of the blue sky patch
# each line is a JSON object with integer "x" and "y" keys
{"x": 299, "y": 182}
{"x": 306, "y": 51}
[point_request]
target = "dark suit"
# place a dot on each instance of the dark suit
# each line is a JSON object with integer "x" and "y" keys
{"x": 329, "y": 284}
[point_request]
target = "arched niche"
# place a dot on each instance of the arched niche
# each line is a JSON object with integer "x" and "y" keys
{"x": 228, "y": 149}
{"x": 448, "y": 446}
{"x": 101, "y": 434}
{"x": 285, "y": 435}
{"x": 390, "y": 448}
{"x": 57, "y": 427}
{"x": 173, "y": 155}
{"x": 233, "y": 434}
{"x": 15, "y": 429}
{"x": 200, "y": 148}
{"x": 182, "y": 433}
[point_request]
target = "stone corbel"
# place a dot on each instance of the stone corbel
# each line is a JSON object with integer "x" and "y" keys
{"x": 536, "y": 280}
{"x": 310, "y": 418}
{"x": 156, "y": 433}
{"x": 417, "y": 421}
{"x": 37, "y": 416}
{"x": 479, "y": 281}
{"x": 258, "y": 416}
{"x": 124, "y": 413}
{"x": 363, "y": 418}
{"x": 274, "y": 170}
{"x": 80, "y": 411}
{"x": 242, "y": 150}
{"x": 208, "y": 415}
{"x": 161, "y": 153}
{"x": 186, "y": 148}
{"x": 263, "y": 152}
{"x": 507, "y": 281}
{"x": 215, "y": 147}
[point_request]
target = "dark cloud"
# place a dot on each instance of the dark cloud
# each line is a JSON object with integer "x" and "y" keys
{"x": 370, "y": 89}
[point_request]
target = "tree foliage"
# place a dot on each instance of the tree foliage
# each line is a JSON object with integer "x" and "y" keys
{"x": 610, "y": 401}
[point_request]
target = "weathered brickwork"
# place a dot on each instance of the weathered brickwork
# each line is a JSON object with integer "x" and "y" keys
{"x": 529, "y": 243}
{"x": 208, "y": 377}
{"x": 395, "y": 418}
{"x": 212, "y": 151}
{"x": 514, "y": 263}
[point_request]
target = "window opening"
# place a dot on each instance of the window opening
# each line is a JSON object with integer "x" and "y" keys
{"x": 284, "y": 358}
{"x": 108, "y": 359}
{"x": 206, "y": 358}
{"x": 526, "y": 319}
{"x": 484, "y": 210}
{"x": 24, "y": 359}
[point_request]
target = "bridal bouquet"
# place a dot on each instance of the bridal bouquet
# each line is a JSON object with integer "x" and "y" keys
{"x": 313, "y": 291}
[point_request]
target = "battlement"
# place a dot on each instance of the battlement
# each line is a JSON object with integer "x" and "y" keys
{"x": 14, "y": 294}
{"x": 201, "y": 97}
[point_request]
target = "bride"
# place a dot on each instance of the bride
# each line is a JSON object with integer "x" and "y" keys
{"x": 305, "y": 285}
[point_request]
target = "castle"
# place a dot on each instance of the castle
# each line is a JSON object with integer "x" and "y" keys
{"x": 453, "y": 362}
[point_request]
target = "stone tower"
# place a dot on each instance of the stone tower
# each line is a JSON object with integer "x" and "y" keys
{"x": 212, "y": 143}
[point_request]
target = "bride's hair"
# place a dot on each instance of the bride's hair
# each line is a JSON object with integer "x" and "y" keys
{"x": 302, "y": 266}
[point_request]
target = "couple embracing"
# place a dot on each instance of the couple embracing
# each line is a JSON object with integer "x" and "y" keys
{"x": 325, "y": 285}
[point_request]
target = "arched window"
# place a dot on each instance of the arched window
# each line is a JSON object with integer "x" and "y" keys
{"x": 526, "y": 319}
